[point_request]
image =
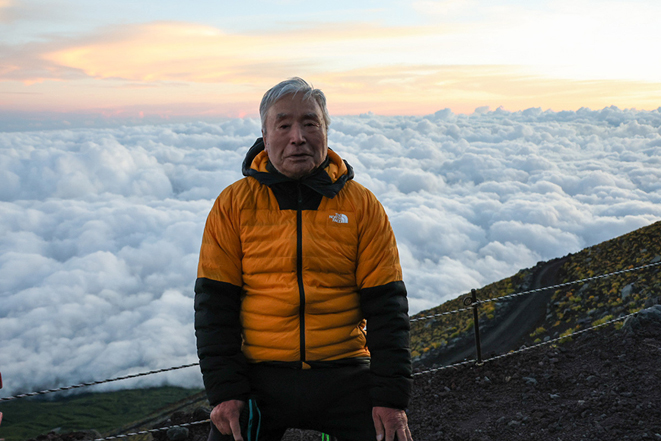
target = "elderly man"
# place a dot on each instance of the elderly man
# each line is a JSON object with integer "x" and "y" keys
{"x": 301, "y": 314}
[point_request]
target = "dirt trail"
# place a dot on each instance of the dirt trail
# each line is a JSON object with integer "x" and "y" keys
{"x": 521, "y": 314}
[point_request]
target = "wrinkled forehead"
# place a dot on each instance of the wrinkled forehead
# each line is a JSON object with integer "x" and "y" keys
{"x": 295, "y": 106}
{"x": 303, "y": 116}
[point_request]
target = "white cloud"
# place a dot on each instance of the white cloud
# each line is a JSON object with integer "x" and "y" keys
{"x": 101, "y": 228}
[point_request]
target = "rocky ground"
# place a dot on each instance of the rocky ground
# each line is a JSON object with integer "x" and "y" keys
{"x": 603, "y": 385}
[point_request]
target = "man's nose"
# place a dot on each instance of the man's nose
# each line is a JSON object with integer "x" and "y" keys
{"x": 296, "y": 134}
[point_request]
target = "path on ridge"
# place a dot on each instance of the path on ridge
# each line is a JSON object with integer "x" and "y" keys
{"x": 522, "y": 316}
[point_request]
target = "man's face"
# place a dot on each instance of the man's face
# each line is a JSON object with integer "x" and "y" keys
{"x": 295, "y": 136}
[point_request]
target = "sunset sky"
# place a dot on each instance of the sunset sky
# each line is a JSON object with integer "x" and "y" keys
{"x": 173, "y": 59}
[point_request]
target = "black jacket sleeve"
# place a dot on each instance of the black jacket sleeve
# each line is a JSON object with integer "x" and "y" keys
{"x": 386, "y": 309}
{"x": 218, "y": 333}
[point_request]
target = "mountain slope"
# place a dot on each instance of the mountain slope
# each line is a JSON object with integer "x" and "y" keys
{"x": 512, "y": 322}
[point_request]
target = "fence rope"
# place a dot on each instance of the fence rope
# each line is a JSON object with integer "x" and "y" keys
{"x": 537, "y": 290}
{"x": 440, "y": 314}
{"x": 160, "y": 429}
{"x": 93, "y": 383}
{"x": 562, "y": 285}
{"x": 527, "y": 348}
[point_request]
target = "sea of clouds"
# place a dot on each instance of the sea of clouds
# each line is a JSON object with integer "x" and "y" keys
{"x": 100, "y": 228}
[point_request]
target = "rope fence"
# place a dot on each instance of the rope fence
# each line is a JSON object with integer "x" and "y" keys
{"x": 526, "y": 348}
{"x": 440, "y": 314}
{"x": 474, "y": 305}
{"x": 94, "y": 383}
{"x": 538, "y": 290}
{"x": 160, "y": 429}
{"x": 562, "y": 285}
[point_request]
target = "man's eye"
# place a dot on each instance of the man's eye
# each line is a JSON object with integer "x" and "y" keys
{"x": 283, "y": 126}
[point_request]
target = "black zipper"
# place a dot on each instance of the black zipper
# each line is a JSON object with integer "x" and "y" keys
{"x": 299, "y": 269}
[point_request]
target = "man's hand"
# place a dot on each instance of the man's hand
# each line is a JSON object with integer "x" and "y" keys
{"x": 225, "y": 416}
{"x": 389, "y": 422}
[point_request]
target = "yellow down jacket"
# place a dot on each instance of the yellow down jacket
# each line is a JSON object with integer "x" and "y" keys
{"x": 283, "y": 268}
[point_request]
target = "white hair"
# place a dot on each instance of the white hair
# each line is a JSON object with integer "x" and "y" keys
{"x": 292, "y": 86}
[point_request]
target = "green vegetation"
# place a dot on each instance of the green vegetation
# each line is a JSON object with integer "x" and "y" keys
{"x": 565, "y": 334}
{"x": 28, "y": 417}
{"x": 572, "y": 307}
{"x": 538, "y": 331}
{"x": 431, "y": 334}
{"x": 610, "y": 297}
{"x": 603, "y": 320}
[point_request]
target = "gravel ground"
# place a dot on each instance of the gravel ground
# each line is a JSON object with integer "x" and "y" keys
{"x": 602, "y": 386}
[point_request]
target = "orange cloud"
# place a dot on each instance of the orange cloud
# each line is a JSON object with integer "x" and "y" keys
{"x": 5, "y": 5}
{"x": 406, "y": 90}
{"x": 174, "y": 51}
{"x": 397, "y": 90}
{"x": 171, "y": 66}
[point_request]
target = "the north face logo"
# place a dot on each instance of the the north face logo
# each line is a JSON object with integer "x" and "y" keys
{"x": 339, "y": 218}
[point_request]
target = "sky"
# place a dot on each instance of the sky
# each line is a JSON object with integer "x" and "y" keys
{"x": 100, "y": 228}
{"x": 92, "y": 64}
